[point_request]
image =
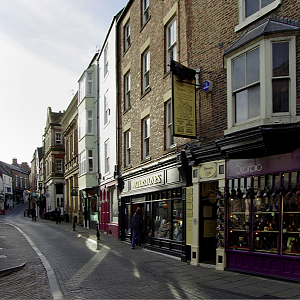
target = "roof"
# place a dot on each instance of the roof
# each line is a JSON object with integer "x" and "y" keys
{"x": 3, "y": 170}
{"x": 12, "y": 167}
{"x": 269, "y": 26}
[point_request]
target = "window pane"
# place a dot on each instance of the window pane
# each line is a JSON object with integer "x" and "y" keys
{"x": 252, "y": 66}
{"x": 266, "y": 2}
{"x": 252, "y": 6}
{"x": 254, "y": 101}
{"x": 239, "y": 72}
{"x": 280, "y": 95}
{"x": 280, "y": 59}
{"x": 241, "y": 106}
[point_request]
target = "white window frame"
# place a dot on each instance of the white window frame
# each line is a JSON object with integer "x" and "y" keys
{"x": 145, "y": 11}
{"x": 243, "y": 21}
{"x": 146, "y": 137}
{"x": 81, "y": 90}
{"x": 127, "y": 148}
{"x": 89, "y": 121}
{"x": 170, "y": 139}
{"x": 82, "y": 163}
{"x": 266, "y": 110}
{"x": 106, "y": 60}
{"x": 146, "y": 70}
{"x": 90, "y": 158}
{"x": 106, "y": 110}
{"x": 171, "y": 42}
{"x": 106, "y": 156}
{"x": 89, "y": 83}
{"x": 59, "y": 166}
{"x": 127, "y": 36}
{"x": 127, "y": 90}
{"x": 58, "y": 138}
{"x": 16, "y": 180}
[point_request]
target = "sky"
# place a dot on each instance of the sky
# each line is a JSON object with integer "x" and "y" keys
{"x": 45, "y": 45}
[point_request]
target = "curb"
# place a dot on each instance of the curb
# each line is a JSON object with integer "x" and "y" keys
{"x": 8, "y": 271}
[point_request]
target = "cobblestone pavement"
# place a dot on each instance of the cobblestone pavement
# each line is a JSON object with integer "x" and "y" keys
{"x": 85, "y": 269}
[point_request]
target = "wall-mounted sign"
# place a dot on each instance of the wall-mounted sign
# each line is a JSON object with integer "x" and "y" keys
{"x": 207, "y": 86}
{"x": 183, "y": 100}
{"x": 208, "y": 170}
{"x": 149, "y": 180}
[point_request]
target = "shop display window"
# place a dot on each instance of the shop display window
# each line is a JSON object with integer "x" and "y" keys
{"x": 163, "y": 219}
{"x": 177, "y": 220}
{"x": 291, "y": 219}
{"x": 272, "y": 203}
{"x": 239, "y": 217}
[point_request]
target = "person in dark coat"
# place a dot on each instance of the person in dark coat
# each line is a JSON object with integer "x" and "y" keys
{"x": 57, "y": 214}
{"x": 137, "y": 226}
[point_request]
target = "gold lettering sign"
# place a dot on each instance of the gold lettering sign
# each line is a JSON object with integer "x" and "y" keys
{"x": 184, "y": 107}
{"x": 208, "y": 170}
{"x": 147, "y": 181}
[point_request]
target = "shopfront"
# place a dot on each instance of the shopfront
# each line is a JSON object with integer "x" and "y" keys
{"x": 159, "y": 195}
{"x": 263, "y": 215}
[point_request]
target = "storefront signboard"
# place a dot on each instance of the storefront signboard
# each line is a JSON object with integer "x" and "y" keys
{"x": 148, "y": 181}
{"x": 263, "y": 165}
{"x": 189, "y": 215}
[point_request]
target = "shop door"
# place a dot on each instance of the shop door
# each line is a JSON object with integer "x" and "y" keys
{"x": 208, "y": 222}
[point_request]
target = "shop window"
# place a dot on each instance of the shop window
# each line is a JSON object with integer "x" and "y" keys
{"x": 177, "y": 220}
{"x": 273, "y": 201}
{"x": 163, "y": 219}
{"x": 239, "y": 217}
{"x": 291, "y": 218}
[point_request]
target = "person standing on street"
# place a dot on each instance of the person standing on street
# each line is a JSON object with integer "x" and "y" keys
{"x": 33, "y": 214}
{"x": 137, "y": 226}
{"x": 57, "y": 214}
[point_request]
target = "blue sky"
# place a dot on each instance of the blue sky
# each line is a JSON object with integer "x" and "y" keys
{"x": 45, "y": 45}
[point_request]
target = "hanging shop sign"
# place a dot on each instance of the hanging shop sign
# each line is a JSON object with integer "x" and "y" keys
{"x": 183, "y": 100}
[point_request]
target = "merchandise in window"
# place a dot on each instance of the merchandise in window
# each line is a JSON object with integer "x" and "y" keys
{"x": 239, "y": 219}
{"x": 162, "y": 222}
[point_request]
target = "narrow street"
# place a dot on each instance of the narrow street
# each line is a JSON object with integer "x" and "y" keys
{"x": 112, "y": 270}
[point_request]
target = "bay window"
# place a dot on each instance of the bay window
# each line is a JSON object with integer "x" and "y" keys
{"x": 261, "y": 85}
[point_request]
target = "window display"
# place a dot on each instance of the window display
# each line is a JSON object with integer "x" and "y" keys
{"x": 162, "y": 222}
{"x": 291, "y": 222}
{"x": 239, "y": 216}
{"x": 269, "y": 210}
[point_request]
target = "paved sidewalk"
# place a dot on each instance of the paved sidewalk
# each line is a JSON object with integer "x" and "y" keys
{"x": 206, "y": 281}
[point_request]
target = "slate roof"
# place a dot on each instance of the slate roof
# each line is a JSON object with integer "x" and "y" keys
{"x": 269, "y": 26}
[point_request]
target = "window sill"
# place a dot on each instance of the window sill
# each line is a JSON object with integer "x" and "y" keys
{"x": 127, "y": 49}
{"x": 148, "y": 90}
{"x": 144, "y": 25}
{"x": 126, "y": 110}
{"x": 145, "y": 160}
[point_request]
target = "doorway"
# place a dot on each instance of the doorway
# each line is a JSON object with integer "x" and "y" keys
{"x": 208, "y": 223}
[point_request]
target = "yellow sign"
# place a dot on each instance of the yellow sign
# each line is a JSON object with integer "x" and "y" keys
{"x": 208, "y": 170}
{"x": 189, "y": 216}
{"x": 184, "y": 107}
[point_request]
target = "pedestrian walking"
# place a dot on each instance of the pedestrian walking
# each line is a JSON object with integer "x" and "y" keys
{"x": 137, "y": 226}
{"x": 33, "y": 214}
{"x": 57, "y": 214}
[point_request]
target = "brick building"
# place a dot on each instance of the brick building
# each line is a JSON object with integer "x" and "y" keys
{"x": 246, "y": 162}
